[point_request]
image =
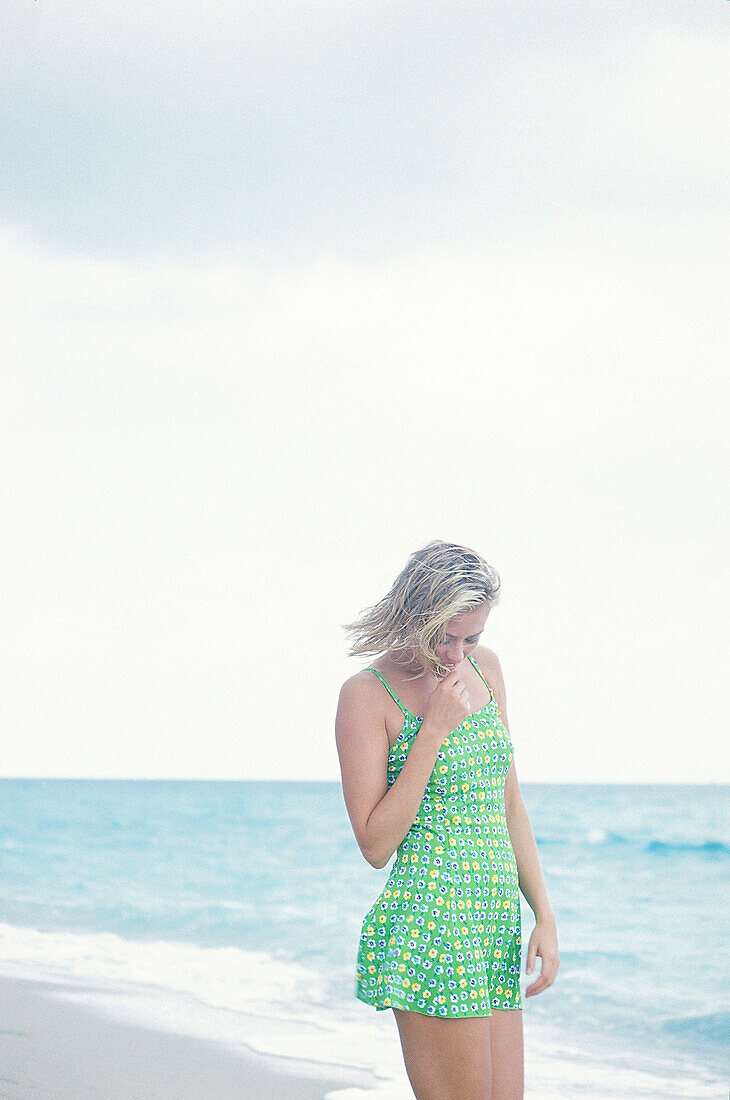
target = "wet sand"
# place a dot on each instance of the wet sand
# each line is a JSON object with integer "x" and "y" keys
{"x": 53, "y": 1049}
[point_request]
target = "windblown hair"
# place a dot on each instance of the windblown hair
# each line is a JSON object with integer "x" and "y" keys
{"x": 439, "y": 582}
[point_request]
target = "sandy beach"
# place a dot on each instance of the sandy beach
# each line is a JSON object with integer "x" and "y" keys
{"x": 69, "y": 1052}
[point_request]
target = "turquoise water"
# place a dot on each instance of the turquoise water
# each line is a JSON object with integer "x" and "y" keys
{"x": 233, "y": 910}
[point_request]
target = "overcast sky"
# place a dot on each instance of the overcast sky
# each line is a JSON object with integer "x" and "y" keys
{"x": 290, "y": 289}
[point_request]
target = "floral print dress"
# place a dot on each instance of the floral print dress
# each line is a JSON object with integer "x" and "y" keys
{"x": 444, "y": 937}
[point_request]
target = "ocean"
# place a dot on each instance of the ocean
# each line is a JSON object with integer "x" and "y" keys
{"x": 232, "y": 911}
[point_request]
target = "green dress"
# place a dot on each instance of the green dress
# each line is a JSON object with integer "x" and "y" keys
{"x": 444, "y": 938}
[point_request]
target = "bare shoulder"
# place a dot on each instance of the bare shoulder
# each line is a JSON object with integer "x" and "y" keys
{"x": 488, "y": 662}
{"x": 359, "y": 705}
{"x": 358, "y": 687}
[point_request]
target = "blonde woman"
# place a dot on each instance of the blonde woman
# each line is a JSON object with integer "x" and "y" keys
{"x": 428, "y": 774}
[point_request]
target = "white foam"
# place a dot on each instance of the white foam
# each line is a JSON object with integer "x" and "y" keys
{"x": 280, "y": 1012}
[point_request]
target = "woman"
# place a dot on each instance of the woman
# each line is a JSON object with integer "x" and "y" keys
{"x": 441, "y": 944}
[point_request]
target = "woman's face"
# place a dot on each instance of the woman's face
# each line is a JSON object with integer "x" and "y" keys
{"x": 462, "y": 636}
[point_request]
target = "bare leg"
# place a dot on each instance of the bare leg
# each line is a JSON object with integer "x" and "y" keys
{"x": 508, "y": 1060}
{"x": 446, "y": 1059}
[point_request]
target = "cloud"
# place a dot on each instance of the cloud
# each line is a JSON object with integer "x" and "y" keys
{"x": 270, "y": 131}
{"x": 590, "y": 340}
{"x": 289, "y": 289}
{"x": 212, "y": 463}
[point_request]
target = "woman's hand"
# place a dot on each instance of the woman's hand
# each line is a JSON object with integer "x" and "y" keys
{"x": 447, "y": 706}
{"x": 543, "y": 942}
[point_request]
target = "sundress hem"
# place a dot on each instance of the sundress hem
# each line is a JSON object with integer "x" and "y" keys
{"x": 422, "y": 1012}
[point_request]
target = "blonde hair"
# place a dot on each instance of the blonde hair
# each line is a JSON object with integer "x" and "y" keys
{"x": 439, "y": 582}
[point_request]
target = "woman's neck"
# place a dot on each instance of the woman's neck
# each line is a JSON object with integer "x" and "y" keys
{"x": 413, "y": 668}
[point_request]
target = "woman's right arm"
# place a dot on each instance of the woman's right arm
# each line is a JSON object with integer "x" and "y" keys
{"x": 380, "y": 816}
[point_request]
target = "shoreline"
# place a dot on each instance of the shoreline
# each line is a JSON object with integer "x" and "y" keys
{"x": 68, "y": 1051}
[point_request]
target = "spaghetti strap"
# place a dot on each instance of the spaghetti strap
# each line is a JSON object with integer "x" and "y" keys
{"x": 476, "y": 666}
{"x": 389, "y": 688}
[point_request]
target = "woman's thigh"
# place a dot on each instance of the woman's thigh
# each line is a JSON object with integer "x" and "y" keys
{"x": 507, "y": 1049}
{"x": 446, "y": 1059}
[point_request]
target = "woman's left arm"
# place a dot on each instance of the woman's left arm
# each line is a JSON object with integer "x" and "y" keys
{"x": 544, "y": 938}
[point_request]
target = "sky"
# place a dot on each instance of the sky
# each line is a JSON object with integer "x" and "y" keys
{"x": 291, "y": 289}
